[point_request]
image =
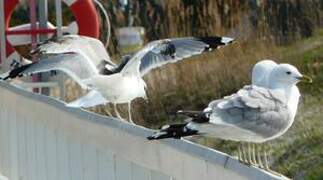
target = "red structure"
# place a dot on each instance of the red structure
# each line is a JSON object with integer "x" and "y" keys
{"x": 83, "y": 10}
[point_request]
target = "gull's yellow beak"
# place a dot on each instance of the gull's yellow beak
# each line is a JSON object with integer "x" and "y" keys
{"x": 305, "y": 79}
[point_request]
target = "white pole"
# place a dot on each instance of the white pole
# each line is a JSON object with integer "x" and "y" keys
{"x": 59, "y": 24}
{"x": 59, "y": 33}
{"x": 2, "y": 33}
{"x": 33, "y": 25}
{"x": 43, "y": 18}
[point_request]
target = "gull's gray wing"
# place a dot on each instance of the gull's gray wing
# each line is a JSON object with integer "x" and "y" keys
{"x": 254, "y": 109}
{"x": 74, "y": 65}
{"x": 90, "y": 48}
{"x": 161, "y": 52}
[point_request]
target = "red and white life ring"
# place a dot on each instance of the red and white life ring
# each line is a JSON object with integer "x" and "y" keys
{"x": 84, "y": 12}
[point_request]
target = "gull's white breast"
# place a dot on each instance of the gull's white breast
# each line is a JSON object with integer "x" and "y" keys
{"x": 117, "y": 88}
{"x": 292, "y": 105}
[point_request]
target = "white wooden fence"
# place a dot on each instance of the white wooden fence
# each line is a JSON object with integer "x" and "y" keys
{"x": 42, "y": 139}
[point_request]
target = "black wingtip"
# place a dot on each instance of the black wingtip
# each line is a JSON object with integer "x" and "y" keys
{"x": 5, "y": 78}
{"x": 175, "y": 131}
{"x": 197, "y": 116}
{"x": 150, "y": 138}
{"x": 169, "y": 49}
{"x": 16, "y": 72}
{"x": 215, "y": 42}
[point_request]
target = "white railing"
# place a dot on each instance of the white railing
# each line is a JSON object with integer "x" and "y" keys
{"x": 42, "y": 139}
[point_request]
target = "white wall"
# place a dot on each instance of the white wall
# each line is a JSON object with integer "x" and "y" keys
{"x": 42, "y": 139}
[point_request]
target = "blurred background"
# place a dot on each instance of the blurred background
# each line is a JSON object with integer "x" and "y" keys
{"x": 288, "y": 31}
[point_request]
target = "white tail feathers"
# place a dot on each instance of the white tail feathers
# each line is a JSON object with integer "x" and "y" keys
{"x": 93, "y": 98}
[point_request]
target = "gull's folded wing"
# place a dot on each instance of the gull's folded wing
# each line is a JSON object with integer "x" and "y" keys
{"x": 253, "y": 109}
{"x": 161, "y": 52}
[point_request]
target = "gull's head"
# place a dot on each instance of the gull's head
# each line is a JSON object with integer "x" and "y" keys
{"x": 286, "y": 75}
{"x": 261, "y": 71}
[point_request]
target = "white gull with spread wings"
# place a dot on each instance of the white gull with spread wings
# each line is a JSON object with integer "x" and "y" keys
{"x": 87, "y": 62}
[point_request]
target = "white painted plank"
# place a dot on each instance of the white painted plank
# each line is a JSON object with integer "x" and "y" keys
{"x": 31, "y": 150}
{"x": 123, "y": 169}
{"x": 51, "y": 154}
{"x": 90, "y": 162}
{"x": 13, "y": 146}
{"x": 221, "y": 173}
{"x": 62, "y": 156}
{"x": 159, "y": 176}
{"x": 2, "y": 133}
{"x": 106, "y": 165}
{"x": 4, "y": 138}
{"x": 196, "y": 170}
{"x": 75, "y": 159}
{"x": 39, "y": 133}
{"x": 6, "y": 144}
{"x": 140, "y": 173}
{"x": 2, "y": 177}
{"x": 22, "y": 149}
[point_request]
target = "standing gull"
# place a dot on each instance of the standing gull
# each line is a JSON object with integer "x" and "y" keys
{"x": 122, "y": 83}
{"x": 253, "y": 114}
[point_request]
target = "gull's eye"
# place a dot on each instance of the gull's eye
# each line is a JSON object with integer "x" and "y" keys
{"x": 288, "y": 72}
